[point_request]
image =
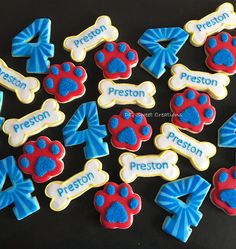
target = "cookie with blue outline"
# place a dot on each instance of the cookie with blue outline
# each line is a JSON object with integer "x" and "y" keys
{"x": 192, "y": 110}
{"x": 223, "y": 194}
{"x": 221, "y": 53}
{"x": 116, "y": 60}
{"x": 129, "y": 130}
{"x": 65, "y": 82}
{"x": 42, "y": 159}
{"x": 117, "y": 204}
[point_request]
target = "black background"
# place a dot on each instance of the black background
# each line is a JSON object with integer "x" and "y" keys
{"x": 78, "y": 226}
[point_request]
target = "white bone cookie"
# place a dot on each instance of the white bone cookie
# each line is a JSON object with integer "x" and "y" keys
{"x": 197, "y": 152}
{"x": 223, "y": 18}
{"x": 24, "y": 87}
{"x": 19, "y": 130}
{"x": 163, "y": 165}
{"x": 90, "y": 38}
{"x": 62, "y": 193}
{"x": 214, "y": 84}
{"x": 125, "y": 93}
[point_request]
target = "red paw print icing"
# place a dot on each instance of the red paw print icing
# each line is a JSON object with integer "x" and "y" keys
{"x": 224, "y": 193}
{"x": 128, "y": 130}
{"x": 116, "y": 60}
{"x": 192, "y": 110}
{"x": 65, "y": 82}
{"x": 117, "y": 204}
{"x": 42, "y": 159}
{"x": 221, "y": 53}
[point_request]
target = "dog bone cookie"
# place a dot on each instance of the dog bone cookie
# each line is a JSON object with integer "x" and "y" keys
{"x": 62, "y": 193}
{"x": 197, "y": 152}
{"x": 126, "y": 93}
{"x": 90, "y": 38}
{"x": 163, "y": 165}
{"x": 19, "y": 130}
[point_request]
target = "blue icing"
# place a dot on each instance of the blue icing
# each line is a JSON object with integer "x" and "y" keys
{"x": 99, "y": 200}
{"x": 208, "y": 113}
{"x": 110, "y": 189}
{"x": 190, "y": 95}
{"x": 100, "y": 56}
{"x": 130, "y": 55}
{"x": 116, "y": 213}
{"x": 133, "y": 204}
{"x": 24, "y": 162}
{"x": 202, "y": 99}
{"x": 122, "y": 47}
{"x": 124, "y": 192}
{"x": 114, "y": 122}
{"x": 54, "y": 70}
{"x": 212, "y": 43}
{"x": 43, "y": 165}
{"x": 128, "y": 136}
{"x": 50, "y": 83}
{"x": 162, "y": 56}
{"x": 229, "y": 196}
{"x": 190, "y": 115}
{"x": 55, "y": 149}
{"x": 234, "y": 42}
{"x": 66, "y": 67}
{"x": 109, "y": 47}
{"x": 126, "y": 114}
{"x": 138, "y": 119}
{"x": 179, "y": 100}
{"x": 224, "y": 37}
{"x": 234, "y": 175}
{"x": 146, "y": 130}
{"x": 41, "y": 143}
{"x": 78, "y": 72}
{"x": 29, "y": 148}
{"x": 224, "y": 57}
{"x": 40, "y": 51}
{"x": 116, "y": 65}
{"x": 223, "y": 177}
{"x": 67, "y": 86}
{"x": 183, "y": 215}
{"x": 19, "y": 193}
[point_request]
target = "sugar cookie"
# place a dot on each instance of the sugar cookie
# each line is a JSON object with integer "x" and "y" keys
{"x": 163, "y": 165}
{"x": 62, "y": 193}
{"x": 197, "y": 152}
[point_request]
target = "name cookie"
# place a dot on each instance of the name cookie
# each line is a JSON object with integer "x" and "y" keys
{"x": 197, "y": 152}
{"x": 125, "y": 93}
{"x": 90, "y": 38}
{"x": 163, "y": 165}
{"x": 62, "y": 193}
{"x": 19, "y": 130}
{"x": 24, "y": 87}
{"x": 214, "y": 84}
{"x": 223, "y": 18}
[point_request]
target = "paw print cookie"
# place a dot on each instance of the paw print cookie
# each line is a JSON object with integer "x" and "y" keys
{"x": 128, "y": 130}
{"x": 224, "y": 193}
{"x": 116, "y": 60}
{"x": 42, "y": 159}
{"x": 221, "y": 53}
{"x": 192, "y": 110}
{"x": 65, "y": 82}
{"x": 117, "y": 204}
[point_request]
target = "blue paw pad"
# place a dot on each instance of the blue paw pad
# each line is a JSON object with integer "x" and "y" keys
{"x": 127, "y": 136}
{"x": 49, "y": 83}
{"x": 44, "y": 165}
{"x": 223, "y": 177}
{"x": 66, "y": 86}
{"x": 116, "y": 213}
{"x": 229, "y": 196}
{"x": 100, "y": 57}
{"x": 126, "y": 114}
{"x": 190, "y": 115}
{"x": 54, "y": 70}
{"x": 224, "y": 57}
{"x": 116, "y": 66}
{"x": 114, "y": 123}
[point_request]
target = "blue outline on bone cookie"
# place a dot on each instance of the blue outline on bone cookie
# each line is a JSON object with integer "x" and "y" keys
{"x": 226, "y": 133}
{"x": 184, "y": 214}
{"x": 161, "y": 56}
{"x": 19, "y": 193}
{"x": 92, "y": 136}
{"x": 38, "y": 52}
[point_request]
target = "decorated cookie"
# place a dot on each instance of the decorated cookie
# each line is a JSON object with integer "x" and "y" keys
{"x": 116, "y": 60}
{"x": 126, "y": 94}
{"x": 62, "y": 193}
{"x": 192, "y": 110}
{"x": 183, "y": 214}
{"x": 223, "y": 194}
{"x": 214, "y": 84}
{"x": 19, "y": 130}
{"x": 92, "y": 136}
{"x": 161, "y": 56}
{"x": 226, "y": 133}
{"x": 223, "y": 18}
{"x": 221, "y": 53}
{"x": 163, "y": 165}
{"x": 65, "y": 82}
{"x": 90, "y": 38}
{"x": 24, "y": 87}
{"x": 129, "y": 130}
{"x": 117, "y": 204}
{"x": 42, "y": 159}
{"x": 2, "y": 119}
{"x": 197, "y": 152}
{"x": 19, "y": 194}
{"x": 39, "y": 51}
